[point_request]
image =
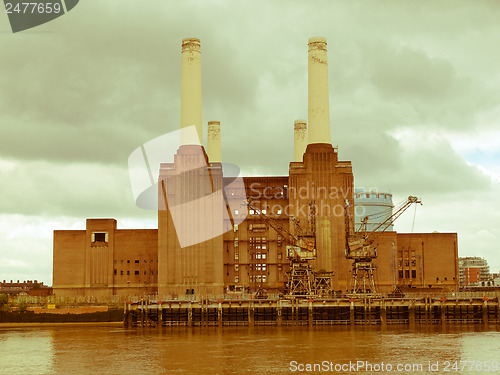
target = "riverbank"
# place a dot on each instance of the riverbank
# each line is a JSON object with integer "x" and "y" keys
{"x": 67, "y": 316}
{"x": 46, "y": 325}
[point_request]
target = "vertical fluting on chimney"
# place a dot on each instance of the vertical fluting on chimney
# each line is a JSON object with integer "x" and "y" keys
{"x": 318, "y": 111}
{"x": 213, "y": 142}
{"x": 299, "y": 139}
{"x": 191, "y": 89}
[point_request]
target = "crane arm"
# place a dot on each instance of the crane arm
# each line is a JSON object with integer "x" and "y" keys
{"x": 382, "y": 227}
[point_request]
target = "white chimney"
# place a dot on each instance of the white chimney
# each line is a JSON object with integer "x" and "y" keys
{"x": 191, "y": 89}
{"x": 299, "y": 139}
{"x": 213, "y": 142}
{"x": 319, "y": 110}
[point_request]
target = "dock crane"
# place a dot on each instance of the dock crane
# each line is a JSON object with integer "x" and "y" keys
{"x": 359, "y": 248}
{"x": 300, "y": 250}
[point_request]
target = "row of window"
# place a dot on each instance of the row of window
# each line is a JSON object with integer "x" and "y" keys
{"x": 257, "y": 256}
{"x": 264, "y": 212}
{"x": 258, "y": 278}
{"x": 136, "y": 261}
{"x": 407, "y": 274}
{"x": 136, "y": 272}
{"x": 407, "y": 263}
{"x": 372, "y": 195}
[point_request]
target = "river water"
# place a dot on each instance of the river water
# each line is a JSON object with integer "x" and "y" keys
{"x": 110, "y": 349}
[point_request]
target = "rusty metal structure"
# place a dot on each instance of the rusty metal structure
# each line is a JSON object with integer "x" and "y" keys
{"x": 360, "y": 249}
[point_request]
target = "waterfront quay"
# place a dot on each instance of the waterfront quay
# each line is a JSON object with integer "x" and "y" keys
{"x": 308, "y": 311}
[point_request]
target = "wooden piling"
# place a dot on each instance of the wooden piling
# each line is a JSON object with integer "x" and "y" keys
{"x": 251, "y": 314}
{"x": 142, "y": 313}
{"x": 485, "y": 312}
{"x": 411, "y": 314}
{"x": 351, "y": 313}
{"x": 190, "y": 315}
{"x": 160, "y": 316}
{"x": 443, "y": 312}
{"x": 383, "y": 314}
{"x": 311, "y": 313}
{"x": 219, "y": 314}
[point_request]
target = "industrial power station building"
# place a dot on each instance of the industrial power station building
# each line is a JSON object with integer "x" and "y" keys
{"x": 218, "y": 233}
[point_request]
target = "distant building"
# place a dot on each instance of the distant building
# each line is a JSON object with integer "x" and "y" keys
{"x": 474, "y": 272}
{"x": 495, "y": 279}
{"x": 30, "y": 287}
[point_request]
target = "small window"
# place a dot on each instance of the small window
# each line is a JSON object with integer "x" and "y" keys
{"x": 128, "y": 272}
{"x": 136, "y": 272}
{"x": 115, "y": 271}
{"x": 264, "y": 278}
{"x": 128, "y": 260}
{"x": 99, "y": 237}
{"x": 413, "y": 274}
{"x": 121, "y": 261}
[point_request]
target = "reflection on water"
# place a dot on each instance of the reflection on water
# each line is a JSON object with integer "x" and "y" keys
{"x": 26, "y": 351}
{"x": 260, "y": 350}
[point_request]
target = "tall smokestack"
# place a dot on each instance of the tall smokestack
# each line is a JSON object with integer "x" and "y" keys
{"x": 213, "y": 142}
{"x": 319, "y": 110}
{"x": 191, "y": 89}
{"x": 299, "y": 139}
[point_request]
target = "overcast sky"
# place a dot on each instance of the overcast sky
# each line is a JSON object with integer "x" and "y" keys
{"x": 414, "y": 103}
